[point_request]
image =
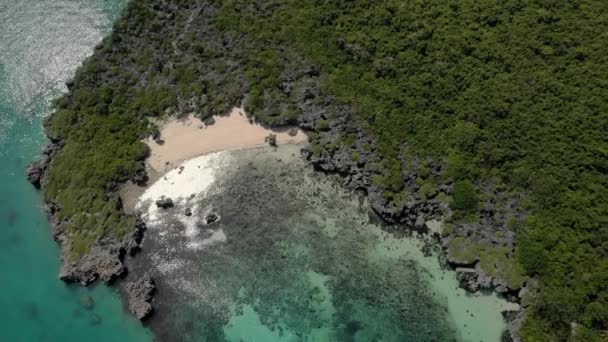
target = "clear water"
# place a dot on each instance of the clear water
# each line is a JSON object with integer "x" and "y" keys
{"x": 42, "y": 42}
{"x": 294, "y": 258}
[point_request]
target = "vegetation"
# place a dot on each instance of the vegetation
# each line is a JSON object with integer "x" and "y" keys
{"x": 510, "y": 92}
{"x": 465, "y": 197}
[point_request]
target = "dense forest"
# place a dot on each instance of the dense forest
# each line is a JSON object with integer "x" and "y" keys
{"x": 508, "y": 97}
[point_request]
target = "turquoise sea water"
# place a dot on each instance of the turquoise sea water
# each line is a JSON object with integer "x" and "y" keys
{"x": 42, "y": 42}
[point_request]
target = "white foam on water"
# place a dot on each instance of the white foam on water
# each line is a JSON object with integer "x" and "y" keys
{"x": 185, "y": 185}
{"x": 192, "y": 178}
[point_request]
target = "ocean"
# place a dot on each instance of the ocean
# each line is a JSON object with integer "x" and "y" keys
{"x": 42, "y": 42}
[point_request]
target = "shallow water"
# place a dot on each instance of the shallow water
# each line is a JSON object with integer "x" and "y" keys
{"x": 294, "y": 257}
{"x": 41, "y": 44}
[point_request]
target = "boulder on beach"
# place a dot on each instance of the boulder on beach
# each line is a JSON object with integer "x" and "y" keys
{"x": 209, "y": 121}
{"x": 272, "y": 139}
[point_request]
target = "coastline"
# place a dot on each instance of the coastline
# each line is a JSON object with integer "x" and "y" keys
{"x": 329, "y": 121}
{"x": 184, "y": 138}
{"x": 232, "y": 185}
{"x": 107, "y": 259}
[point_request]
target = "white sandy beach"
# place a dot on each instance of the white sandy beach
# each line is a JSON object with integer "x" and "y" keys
{"x": 189, "y": 137}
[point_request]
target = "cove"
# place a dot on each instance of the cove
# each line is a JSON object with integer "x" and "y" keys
{"x": 41, "y": 45}
{"x": 294, "y": 257}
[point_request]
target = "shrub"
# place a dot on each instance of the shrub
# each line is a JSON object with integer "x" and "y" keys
{"x": 465, "y": 197}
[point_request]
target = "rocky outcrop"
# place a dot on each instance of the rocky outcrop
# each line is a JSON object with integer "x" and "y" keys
{"x": 271, "y": 139}
{"x": 467, "y": 278}
{"x": 104, "y": 261}
{"x": 36, "y": 170}
{"x": 211, "y": 218}
{"x": 34, "y": 173}
{"x": 164, "y": 203}
{"x": 139, "y": 295}
{"x": 100, "y": 263}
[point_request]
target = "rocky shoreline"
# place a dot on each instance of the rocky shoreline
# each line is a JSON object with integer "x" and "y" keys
{"x": 328, "y": 123}
{"x": 106, "y": 259}
{"x": 415, "y": 211}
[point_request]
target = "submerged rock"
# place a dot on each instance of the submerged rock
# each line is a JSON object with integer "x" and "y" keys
{"x": 188, "y": 212}
{"x": 213, "y": 217}
{"x": 87, "y": 302}
{"x": 95, "y": 319}
{"x": 140, "y": 295}
{"x": 165, "y": 203}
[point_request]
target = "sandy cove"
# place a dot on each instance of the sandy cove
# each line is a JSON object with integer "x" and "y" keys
{"x": 189, "y": 137}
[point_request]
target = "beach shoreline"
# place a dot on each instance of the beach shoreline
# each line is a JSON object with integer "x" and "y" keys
{"x": 182, "y": 139}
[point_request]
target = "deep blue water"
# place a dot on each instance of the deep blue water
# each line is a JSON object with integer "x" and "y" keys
{"x": 42, "y": 43}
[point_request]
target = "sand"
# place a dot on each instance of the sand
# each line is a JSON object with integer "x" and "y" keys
{"x": 189, "y": 137}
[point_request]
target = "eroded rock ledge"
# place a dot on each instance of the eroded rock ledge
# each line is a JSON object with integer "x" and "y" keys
{"x": 140, "y": 295}
{"x": 105, "y": 260}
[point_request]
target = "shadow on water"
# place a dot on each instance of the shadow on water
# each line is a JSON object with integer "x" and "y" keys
{"x": 30, "y": 310}
{"x": 11, "y": 217}
{"x": 11, "y": 240}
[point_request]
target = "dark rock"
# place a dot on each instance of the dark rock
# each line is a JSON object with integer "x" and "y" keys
{"x": 140, "y": 295}
{"x": 133, "y": 241}
{"x": 272, "y": 139}
{"x": 209, "y": 121}
{"x": 101, "y": 262}
{"x": 165, "y": 203}
{"x": 467, "y": 278}
{"x": 34, "y": 173}
{"x": 420, "y": 223}
{"x": 212, "y": 218}
{"x": 188, "y": 212}
{"x": 140, "y": 177}
{"x": 311, "y": 71}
